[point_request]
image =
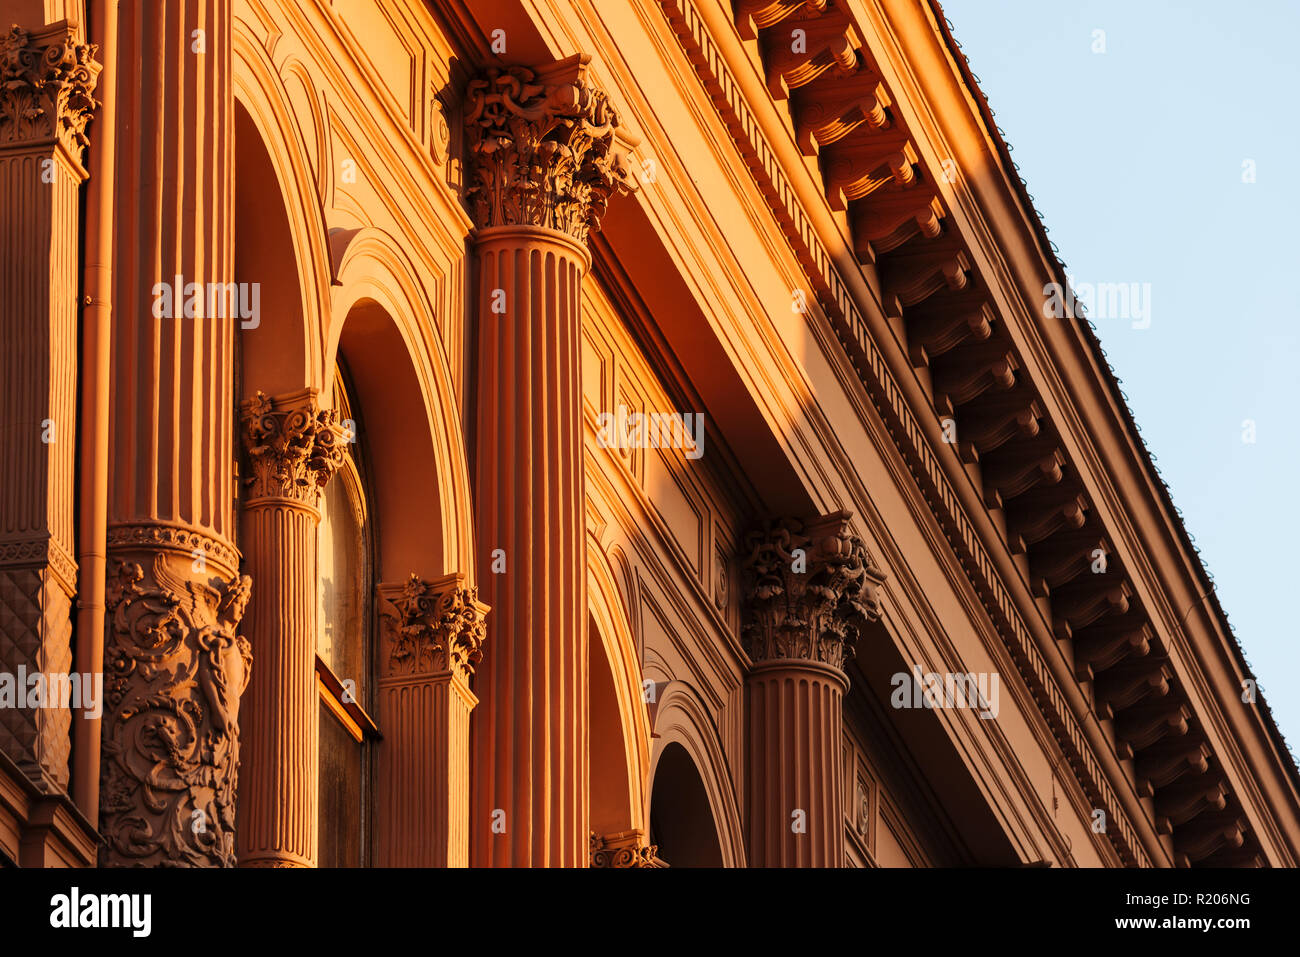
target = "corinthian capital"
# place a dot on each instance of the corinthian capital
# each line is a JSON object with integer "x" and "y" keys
{"x": 545, "y": 148}
{"x": 293, "y": 444}
{"x": 810, "y": 587}
{"x": 46, "y": 81}
{"x": 433, "y": 627}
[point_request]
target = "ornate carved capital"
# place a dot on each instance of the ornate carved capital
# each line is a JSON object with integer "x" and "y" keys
{"x": 293, "y": 444}
{"x": 624, "y": 849}
{"x": 46, "y": 81}
{"x": 174, "y": 670}
{"x": 809, "y": 589}
{"x": 433, "y": 627}
{"x": 545, "y": 149}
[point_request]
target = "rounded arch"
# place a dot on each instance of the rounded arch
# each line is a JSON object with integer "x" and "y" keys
{"x": 681, "y": 719}
{"x": 381, "y": 324}
{"x": 682, "y": 825}
{"x": 278, "y": 356}
{"x": 620, "y": 725}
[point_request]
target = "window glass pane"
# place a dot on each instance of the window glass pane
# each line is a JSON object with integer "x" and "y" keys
{"x": 340, "y": 568}
{"x": 341, "y": 770}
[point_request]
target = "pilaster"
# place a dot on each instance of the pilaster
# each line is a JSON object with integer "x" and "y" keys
{"x": 46, "y": 83}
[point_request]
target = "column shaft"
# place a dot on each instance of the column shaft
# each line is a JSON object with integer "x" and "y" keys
{"x": 796, "y": 784}
{"x": 293, "y": 448}
{"x": 175, "y": 667}
{"x": 531, "y": 744}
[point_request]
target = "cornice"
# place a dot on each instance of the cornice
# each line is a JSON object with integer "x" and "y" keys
{"x": 840, "y": 305}
{"x": 1047, "y": 528}
{"x": 1071, "y": 370}
{"x": 809, "y": 448}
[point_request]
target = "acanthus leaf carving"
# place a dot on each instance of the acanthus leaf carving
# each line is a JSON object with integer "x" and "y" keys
{"x": 545, "y": 150}
{"x": 294, "y": 446}
{"x": 46, "y": 82}
{"x": 433, "y": 627}
{"x": 810, "y": 589}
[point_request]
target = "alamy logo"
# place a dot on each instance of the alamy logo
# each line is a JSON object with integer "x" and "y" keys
{"x": 933, "y": 690}
{"x": 622, "y": 429}
{"x": 74, "y": 909}
{"x": 83, "y": 692}
{"x": 1103, "y": 300}
{"x": 213, "y": 300}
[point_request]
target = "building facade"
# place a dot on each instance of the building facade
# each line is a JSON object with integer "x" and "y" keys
{"x": 580, "y": 432}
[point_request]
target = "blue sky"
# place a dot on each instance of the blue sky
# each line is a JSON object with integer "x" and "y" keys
{"x": 1134, "y": 157}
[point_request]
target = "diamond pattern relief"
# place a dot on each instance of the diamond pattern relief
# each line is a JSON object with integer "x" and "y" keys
{"x": 32, "y": 603}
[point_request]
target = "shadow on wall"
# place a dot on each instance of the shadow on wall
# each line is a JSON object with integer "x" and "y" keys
{"x": 681, "y": 823}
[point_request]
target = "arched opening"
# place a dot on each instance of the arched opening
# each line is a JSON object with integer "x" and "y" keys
{"x": 271, "y": 344}
{"x": 407, "y": 497}
{"x": 610, "y": 808}
{"x": 681, "y": 822}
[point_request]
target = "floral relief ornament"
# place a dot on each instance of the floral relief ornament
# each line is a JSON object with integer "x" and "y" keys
{"x": 175, "y": 669}
{"x": 45, "y": 87}
{"x": 433, "y": 629}
{"x": 810, "y": 590}
{"x": 294, "y": 450}
{"x": 544, "y": 153}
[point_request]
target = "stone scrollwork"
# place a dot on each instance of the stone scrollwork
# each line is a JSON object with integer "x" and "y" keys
{"x": 625, "y": 849}
{"x": 46, "y": 82}
{"x": 293, "y": 444}
{"x": 433, "y": 626}
{"x": 174, "y": 668}
{"x": 810, "y": 587}
{"x": 546, "y": 149}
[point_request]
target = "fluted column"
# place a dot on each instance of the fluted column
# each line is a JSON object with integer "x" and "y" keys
{"x": 545, "y": 156}
{"x": 810, "y": 588}
{"x": 432, "y": 639}
{"x": 46, "y": 81}
{"x": 175, "y": 667}
{"x": 293, "y": 447}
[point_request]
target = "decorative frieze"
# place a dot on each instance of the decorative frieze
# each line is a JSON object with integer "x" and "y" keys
{"x": 177, "y": 539}
{"x": 46, "y": 82}
{"x": 810, "y": 588}
{"x": 545, "y": 149}
{"x": 175, "y": 667}
{"x": 293, "y": 445}
{"x": 433, "y": 627}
